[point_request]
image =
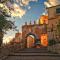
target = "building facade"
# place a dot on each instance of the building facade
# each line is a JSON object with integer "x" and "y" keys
{"x": 17, "y": 39}
{"x": 35, "y": 30}
{"x": 44, "y": 30}
{"x": 53, "y": 23}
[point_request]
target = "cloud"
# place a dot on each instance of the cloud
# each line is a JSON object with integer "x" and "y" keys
{"x": 25, "y": 2}
{"x": 9, "y": 5}
{"x": 45, "y": 13}
{"x": 18, "y": 11}
{"x": 15, "y": 9}
{"x": 29, "y": 7}
{"x": 51, "y": 3}
{"x": 54, "y": 2}
{"x": 47, "y": 4}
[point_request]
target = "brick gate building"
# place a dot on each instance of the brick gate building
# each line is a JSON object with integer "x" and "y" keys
{"x": 38, "y": 30}
{"x": 35, "y": 30}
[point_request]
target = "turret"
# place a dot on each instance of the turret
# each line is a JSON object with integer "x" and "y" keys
{"x": 34, "y": 22}
{"x": 25, "y": 23}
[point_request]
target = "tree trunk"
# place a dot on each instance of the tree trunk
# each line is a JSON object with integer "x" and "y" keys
{"x": 1, "y": 37}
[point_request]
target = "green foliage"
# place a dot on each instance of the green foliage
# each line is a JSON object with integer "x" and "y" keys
{"x": 3, "y": 1}
{"x": 4, "y": 26}
{"x": 4, "y": 23}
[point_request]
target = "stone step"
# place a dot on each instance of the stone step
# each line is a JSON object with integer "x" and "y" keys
{"x": 32, "y": 56}
{"x": 33, "y": 50}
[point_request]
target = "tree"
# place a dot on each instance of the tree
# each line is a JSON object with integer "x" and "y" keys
{"x": 4, "y": 23}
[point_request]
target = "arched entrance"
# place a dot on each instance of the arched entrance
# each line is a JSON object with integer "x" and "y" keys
{"x": 32, "y": 40}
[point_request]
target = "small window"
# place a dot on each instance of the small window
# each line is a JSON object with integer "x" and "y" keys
{"x": 58, "y": 10}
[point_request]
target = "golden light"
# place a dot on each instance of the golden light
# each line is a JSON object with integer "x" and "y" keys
{"x": 1, "y": 5}
{"x": 43, "y": 19}
{"x": 44, "y": 40}
{"x": 7, "y": 39}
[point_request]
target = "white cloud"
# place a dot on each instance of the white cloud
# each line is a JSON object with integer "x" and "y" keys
{"x": 45, "y": 13}
{"x": 47, "y": 4}
{"x": 51, "y": 3}
{"x": 54, "y": 2}
{"x": 15, "y": 10}
{"x": 18, "y": 11}
{"x": 26, "y": 2}
{"x": 29, "y": 7}
{"x": 9, "y": 5}
{"x": 34, "y": 0}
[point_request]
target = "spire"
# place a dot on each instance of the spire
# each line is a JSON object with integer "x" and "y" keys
{"x": 39, "y": 21}
{"x": 34, "y": 22}
{"x": 25, "y": 23}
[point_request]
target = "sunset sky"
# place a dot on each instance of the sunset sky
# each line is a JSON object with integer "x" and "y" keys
{"x": 26, "y": 11}
{"x": 30, "y": 10}
{"x": 37, "y": 8}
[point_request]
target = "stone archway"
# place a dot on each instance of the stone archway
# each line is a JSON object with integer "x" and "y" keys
{"x": 35, "y": 40}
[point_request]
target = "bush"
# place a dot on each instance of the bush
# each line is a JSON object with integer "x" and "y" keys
{"x": 51, "y": 42}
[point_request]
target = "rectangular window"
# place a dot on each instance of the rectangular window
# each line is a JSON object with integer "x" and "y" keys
{"x": 58, "y": 10}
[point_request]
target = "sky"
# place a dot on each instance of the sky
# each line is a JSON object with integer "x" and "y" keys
{"x": 31, "y": 11}
{"x": 32, "y": 14}
{"x": 26, "y": 11}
